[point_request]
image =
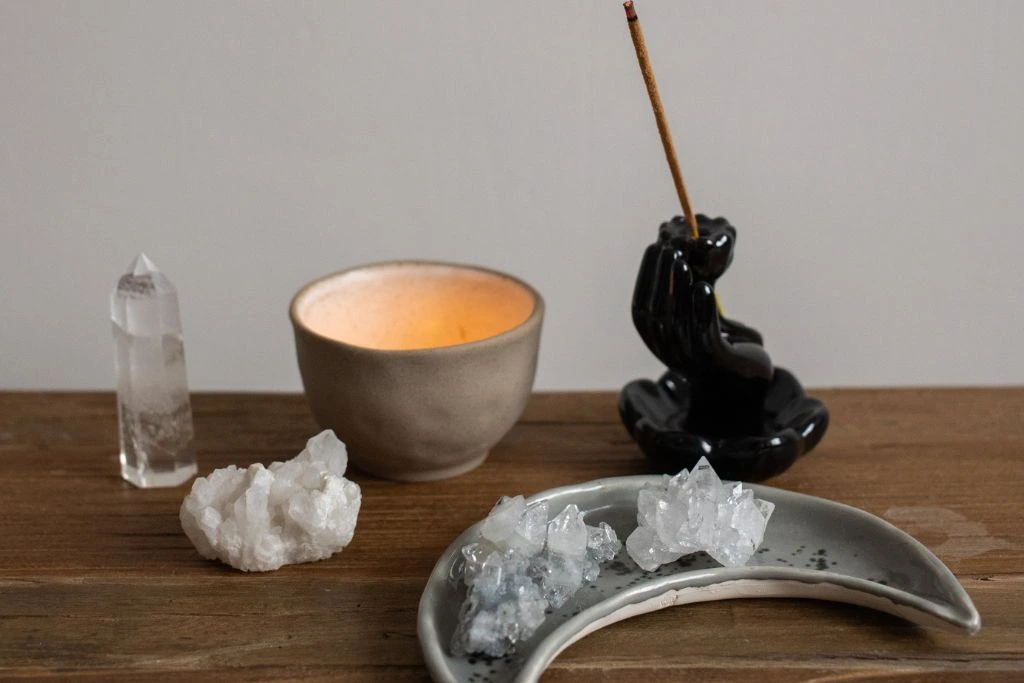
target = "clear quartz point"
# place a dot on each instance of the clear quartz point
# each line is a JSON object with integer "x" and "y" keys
{"x": 153, "y": 409}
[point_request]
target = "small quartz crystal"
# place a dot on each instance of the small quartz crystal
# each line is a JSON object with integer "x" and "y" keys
{"x": 695, "y": 511}
{"x": 153, "y": 408}
{"x": 262, "y": 518}
{"x": 522, "y": 566}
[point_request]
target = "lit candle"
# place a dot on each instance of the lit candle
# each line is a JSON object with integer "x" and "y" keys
{"x": 419, "y": 367}
{"x": 415, "y": 306}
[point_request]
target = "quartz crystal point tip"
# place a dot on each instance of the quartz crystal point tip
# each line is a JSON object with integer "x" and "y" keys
{"x": 145, "y": 279}
{"x": 142, "y": 265}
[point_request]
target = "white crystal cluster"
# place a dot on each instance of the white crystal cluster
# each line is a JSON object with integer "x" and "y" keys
{"x": 695, "y": 511}
{"x": 262, "y": 518}
{"x": 524, "y": 565}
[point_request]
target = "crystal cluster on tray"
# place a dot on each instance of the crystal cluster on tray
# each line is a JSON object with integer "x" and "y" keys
{"x": 694, "y": 511}
{"x": 522, "y": 566}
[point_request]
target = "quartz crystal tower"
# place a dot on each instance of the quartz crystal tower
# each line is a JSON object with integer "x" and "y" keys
{"x": 152, "y": 389}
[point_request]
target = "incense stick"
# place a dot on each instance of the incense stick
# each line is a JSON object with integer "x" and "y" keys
{"x": 659, "y": 113}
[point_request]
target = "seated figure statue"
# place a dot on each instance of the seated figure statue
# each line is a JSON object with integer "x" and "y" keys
{"x": 721, "y": 396}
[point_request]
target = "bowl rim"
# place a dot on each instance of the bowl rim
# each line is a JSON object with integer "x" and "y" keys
{"x": 526, "y": 327}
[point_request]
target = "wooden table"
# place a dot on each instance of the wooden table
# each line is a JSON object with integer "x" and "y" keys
{"x": 98, "y": 581}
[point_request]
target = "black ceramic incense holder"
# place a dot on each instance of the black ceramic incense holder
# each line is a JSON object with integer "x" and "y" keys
{"x": 721, "y": 396}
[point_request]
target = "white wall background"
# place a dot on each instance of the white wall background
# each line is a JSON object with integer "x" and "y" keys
{"x": 869, "y": 152}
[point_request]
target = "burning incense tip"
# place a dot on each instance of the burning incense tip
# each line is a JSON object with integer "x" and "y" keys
{"x": 630, "y": 10}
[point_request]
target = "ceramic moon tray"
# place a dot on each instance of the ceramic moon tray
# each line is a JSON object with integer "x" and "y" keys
{"x": 813, "y": 548}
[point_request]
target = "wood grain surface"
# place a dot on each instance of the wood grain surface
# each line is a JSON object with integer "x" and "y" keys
{"x": 98, "y": 582}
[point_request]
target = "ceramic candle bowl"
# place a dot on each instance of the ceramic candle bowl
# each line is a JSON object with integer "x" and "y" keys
{"x": 419, "y": 367}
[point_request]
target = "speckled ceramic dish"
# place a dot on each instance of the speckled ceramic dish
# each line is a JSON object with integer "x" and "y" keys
{"x": 813, "y": 548}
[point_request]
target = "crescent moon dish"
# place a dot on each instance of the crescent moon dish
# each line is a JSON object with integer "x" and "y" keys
{"x": 813, "y": 548}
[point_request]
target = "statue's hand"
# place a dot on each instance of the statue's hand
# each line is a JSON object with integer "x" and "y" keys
{"x": 674, "y": 307}
{"x": 744, "y": 359}
{"x": 710, "y": 253}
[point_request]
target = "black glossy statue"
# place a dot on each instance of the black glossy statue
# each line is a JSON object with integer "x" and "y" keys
{"x": 721, "y": 396}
